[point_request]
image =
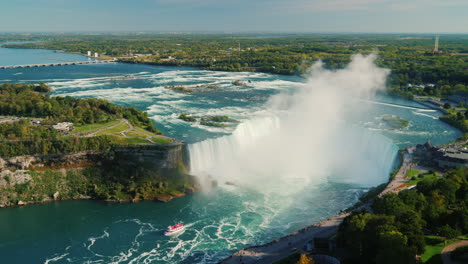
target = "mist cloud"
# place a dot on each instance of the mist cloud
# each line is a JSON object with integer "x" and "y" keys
{"x": 307, "y": 137}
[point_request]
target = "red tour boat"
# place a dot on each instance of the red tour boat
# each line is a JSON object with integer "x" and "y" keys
{"x": 174, "y": 229}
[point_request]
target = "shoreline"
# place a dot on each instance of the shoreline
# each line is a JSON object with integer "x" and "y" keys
{"x": 281, "y": 247}
{"x": 163, "y": 198}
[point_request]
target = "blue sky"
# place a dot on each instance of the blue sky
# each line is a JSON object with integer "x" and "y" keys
{"x": 428, "y": 16}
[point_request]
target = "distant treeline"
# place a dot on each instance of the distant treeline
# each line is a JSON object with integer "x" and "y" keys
{"x": 409, "y": 57}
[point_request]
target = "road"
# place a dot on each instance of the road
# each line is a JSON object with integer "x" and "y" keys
{"x": 448, "y": 249}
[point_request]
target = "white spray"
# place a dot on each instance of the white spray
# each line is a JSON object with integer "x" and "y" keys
{"x": 308, "y": 137}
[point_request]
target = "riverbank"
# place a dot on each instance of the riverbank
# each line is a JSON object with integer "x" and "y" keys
{"x": 284, "y": 246}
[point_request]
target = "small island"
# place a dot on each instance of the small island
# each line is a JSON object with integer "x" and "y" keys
{"x": 191, "y": 89}
{"x": 187, "y": 118}
{"x": 395, "y": 122}
{"x": 239, "y": 83}
{"x": 217, "y": 121}
{"x": 212, "y": 121}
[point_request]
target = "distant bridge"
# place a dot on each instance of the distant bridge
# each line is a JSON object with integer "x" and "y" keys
{"x": 56, "y": 64}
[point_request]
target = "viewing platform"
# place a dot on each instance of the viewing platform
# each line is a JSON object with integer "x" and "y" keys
{"x": 56, "y": 64}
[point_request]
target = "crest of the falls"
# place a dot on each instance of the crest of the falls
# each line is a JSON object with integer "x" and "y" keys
{"x": 253, "y": 156}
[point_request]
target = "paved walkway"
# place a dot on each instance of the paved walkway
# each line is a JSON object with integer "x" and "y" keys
{"x": 400, "y": 178}
{"x": 448, "y": 249}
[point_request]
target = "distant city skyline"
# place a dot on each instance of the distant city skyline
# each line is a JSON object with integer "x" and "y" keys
{"x": 343, "y": 16}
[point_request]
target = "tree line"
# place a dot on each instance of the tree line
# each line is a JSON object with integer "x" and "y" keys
{"x": 394, "y": 233}
{"x": 23, "y": 137}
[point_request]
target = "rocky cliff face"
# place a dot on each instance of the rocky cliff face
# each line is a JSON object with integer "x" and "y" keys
{"x": 160, "y": 159}
{"x": 123, "y": 173}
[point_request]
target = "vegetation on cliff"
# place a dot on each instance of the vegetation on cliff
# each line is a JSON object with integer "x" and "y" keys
{"x": 121, "y": 160}
{"x": 116, "y": 183}
{"x": 394, "y": 234}
{"x": 457, "y": 119}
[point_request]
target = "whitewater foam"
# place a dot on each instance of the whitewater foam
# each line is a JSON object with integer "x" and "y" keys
{"x": 307, "y": 138}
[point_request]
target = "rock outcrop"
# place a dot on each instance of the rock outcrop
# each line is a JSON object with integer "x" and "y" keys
{"x": 124, "y": 173}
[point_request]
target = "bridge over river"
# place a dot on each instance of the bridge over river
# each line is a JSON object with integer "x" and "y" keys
{"x": 56, "y": 64}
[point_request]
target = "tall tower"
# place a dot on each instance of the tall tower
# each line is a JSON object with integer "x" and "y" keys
{"x": 436, "y": 44}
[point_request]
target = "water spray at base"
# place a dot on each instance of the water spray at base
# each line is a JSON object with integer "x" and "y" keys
{"x": 307, "y": 137}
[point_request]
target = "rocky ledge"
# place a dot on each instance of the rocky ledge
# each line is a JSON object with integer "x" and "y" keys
{"x": 123, "y": 174}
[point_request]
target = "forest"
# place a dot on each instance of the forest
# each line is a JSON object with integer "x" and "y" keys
{"x": 24, "y": 137}
{"x": 403, "y": 224}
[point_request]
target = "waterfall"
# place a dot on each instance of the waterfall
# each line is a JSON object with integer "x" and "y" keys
{"x": 309, "y": 136}
{"x": 355, "y": 155}
{"x": 208, "y": 157}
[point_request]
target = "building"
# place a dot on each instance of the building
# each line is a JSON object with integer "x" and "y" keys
{"x": 89, "y": 53}
{"x": 444, "y": 157}
{"x": 64, "y": 127}
{"x": 96, "y": 55}
{"x": 451, "y": 157}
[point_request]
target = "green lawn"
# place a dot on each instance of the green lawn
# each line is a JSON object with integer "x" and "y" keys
{"x": 434, "y": 246}
{"x": 136, "y": 136}
{"x": 113, "y": 130}
{"x": 422, "y": 177}
{"x": 412, "y": 173}
{"x": 161, "y": 140}
{"x": 143, "y": 131}
{"x": 135, "y": 133}
{"x": 92, "y": 127}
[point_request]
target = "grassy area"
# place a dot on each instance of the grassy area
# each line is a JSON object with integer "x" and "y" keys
{"x": 92, "y": 127}
{"x": 416, "y": 179}
{"x": 135, "y": 133}
{"x": 113, "y": 130}
{"x": 161, "y": 140}
{"x": 136, "y": 140}
{"x": 434, "y": 246}
{"x": 411, "y": 173}
{"x": 135, "y": 136}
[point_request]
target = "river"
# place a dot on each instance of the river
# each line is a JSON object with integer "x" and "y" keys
{"x": 220, "y": 221}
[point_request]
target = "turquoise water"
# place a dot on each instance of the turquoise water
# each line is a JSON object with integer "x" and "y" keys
{"x": 35, "y": 56}
{"x": 220, "y": 221}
